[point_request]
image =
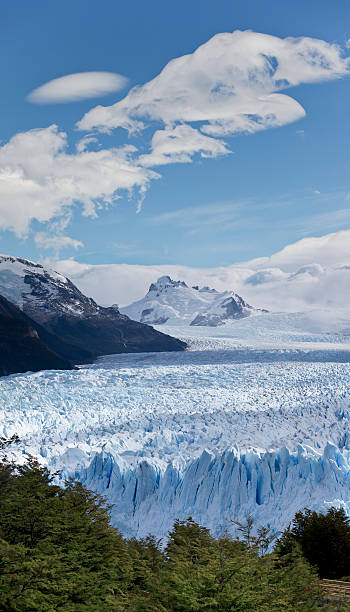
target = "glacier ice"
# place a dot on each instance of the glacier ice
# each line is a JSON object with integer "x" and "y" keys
{"x": 217, "y": 489}
{"x": 215, "y": 432}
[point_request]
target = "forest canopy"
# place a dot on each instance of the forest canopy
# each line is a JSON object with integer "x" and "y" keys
{"x": 59, "y": 552}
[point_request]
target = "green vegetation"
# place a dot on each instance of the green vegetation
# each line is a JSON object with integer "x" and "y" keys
{"x": 324, "y": 540}
{"x": 58, "y": 552}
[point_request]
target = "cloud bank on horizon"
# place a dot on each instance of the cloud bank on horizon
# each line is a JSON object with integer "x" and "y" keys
{"x": 313, "y": 273}
{"x": 229, "y": 85}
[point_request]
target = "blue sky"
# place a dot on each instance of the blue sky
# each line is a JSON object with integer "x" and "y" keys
{"x": 268, "y": 188}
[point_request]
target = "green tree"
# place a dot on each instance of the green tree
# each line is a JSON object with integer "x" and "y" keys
{"x": 58, "y": 550}
{"x": 324, "y": 540}
{"x": 202, "y": 573}
{"x": 146, "y": 592}
{"x": 261, "y": 541}
{"x": 59, "y": 553}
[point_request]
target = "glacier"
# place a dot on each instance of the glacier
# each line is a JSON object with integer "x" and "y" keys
{"x": 218, "y": 489}
{"x": 241, "y": 423}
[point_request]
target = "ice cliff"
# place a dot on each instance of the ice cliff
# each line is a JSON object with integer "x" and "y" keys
{"x": 215, "y": 489}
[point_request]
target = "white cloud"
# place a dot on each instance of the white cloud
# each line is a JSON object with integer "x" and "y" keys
{"x": 311, "y": 273}
{"x": 79, "y": 86}
{"x": 179, "y": 144}
{"x": 40, "y": 180}
{"x": 56, "y": 242}
{"x": 84, "y": 143}
{"x": 230, "y": 84}
{"x": 227, "y": 85}
{"x": 329, "y": 250}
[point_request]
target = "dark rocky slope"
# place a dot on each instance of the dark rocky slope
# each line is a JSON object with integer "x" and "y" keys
{"x": 21, "y": 348}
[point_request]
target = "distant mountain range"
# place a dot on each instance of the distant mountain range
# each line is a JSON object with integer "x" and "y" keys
{"x": 69, "y": 326}
{"x": 175, "y": 303}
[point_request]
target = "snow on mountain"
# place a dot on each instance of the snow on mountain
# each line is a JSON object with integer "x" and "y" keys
{"x": 83, "y": 328}
{"x": 40, "y": 291}
{"x": 174, "y": 303}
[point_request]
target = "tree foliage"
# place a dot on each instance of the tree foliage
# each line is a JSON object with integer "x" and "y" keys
{"x": 324, "y": 540}
{"x": 58, "y": 552}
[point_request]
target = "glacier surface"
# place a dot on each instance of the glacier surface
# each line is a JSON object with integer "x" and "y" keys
{"x": 243, "y": 422}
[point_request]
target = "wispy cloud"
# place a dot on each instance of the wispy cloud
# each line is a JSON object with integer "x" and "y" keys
{"x": 203, "y": 216}
{"x": 325, "y": 222}
{"x": 251, "y": 213}
{"x": 56, "y": 242}
{"x": 127, "y": 249}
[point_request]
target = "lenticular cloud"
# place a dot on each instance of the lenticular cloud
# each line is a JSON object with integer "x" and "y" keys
{"x": 79, "y": 86}
{"x": 228, "y": 85}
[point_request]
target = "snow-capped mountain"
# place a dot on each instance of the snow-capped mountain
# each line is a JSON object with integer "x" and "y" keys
{"x": 312, "y": 273}
{"x": 175, "y": 303}
{"x": 41, "y": 292}
{"x": 83, "y": 328}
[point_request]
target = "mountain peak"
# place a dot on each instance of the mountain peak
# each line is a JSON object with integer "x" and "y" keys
{"x": 12, "y": 259}
{"x": 165, "y": 282}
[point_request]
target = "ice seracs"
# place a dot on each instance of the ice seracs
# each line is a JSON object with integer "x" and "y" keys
{"x": 175, "y": 303}
{"x": 216, "y": 489}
